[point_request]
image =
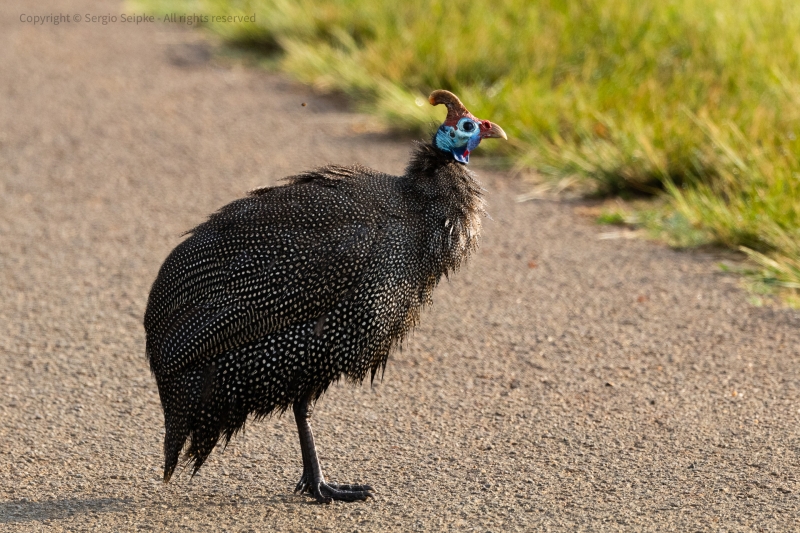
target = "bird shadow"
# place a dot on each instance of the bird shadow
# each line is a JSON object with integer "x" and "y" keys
{"x": 24, "y": 510}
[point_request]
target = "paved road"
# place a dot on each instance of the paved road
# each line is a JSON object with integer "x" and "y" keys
{"x": 559, "y": 382}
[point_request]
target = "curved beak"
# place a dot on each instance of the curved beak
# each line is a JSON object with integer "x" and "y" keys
{"x": 490, "y": 130}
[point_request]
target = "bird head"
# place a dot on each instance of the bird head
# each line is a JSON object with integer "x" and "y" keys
{"x": 461, "y": 131}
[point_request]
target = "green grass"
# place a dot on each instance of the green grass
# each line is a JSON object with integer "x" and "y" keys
{"x": 699, "y": 101}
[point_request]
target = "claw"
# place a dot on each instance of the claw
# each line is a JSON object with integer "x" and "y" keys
{"x": 301, "y": 487}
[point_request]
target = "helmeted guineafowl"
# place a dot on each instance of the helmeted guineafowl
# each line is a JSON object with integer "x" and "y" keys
{"x": 281, "y": 293}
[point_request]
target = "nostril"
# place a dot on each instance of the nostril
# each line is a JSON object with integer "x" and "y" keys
{"x": 486, "y": 124}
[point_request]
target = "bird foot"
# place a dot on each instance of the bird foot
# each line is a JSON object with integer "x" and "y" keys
{"x": 327, "y": 492}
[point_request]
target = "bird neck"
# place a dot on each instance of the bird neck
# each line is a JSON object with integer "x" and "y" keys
{"x": 448, "y": 192}
{"x": 437, "y": 173}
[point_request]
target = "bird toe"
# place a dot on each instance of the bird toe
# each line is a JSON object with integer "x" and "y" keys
{"x": 327, "y": 492}
{"x": 350, "y": 488}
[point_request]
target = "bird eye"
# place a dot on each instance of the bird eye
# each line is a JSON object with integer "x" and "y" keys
{"x": 468, "y": 126}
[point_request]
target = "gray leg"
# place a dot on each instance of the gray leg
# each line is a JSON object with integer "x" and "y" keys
{"x": 312, "y": 481}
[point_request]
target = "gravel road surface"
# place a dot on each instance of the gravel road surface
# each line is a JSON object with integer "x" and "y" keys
{"x": 559, "y": 382}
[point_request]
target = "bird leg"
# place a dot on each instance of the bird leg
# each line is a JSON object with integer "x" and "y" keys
{"x": 312, "y": 481}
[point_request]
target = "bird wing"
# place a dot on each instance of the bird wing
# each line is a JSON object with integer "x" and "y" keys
{"x": 252, "y": 272}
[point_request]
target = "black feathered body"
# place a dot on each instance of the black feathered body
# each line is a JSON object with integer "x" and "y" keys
{"x": 281, "y": 293}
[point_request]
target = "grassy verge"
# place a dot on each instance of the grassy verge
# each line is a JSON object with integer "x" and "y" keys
{"x": 698, "y": 101}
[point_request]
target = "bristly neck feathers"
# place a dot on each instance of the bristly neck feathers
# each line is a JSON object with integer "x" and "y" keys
{"x": 451, "y": 193}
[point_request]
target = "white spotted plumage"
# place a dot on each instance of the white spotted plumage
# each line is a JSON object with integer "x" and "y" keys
{"x": 281, "y": 293}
